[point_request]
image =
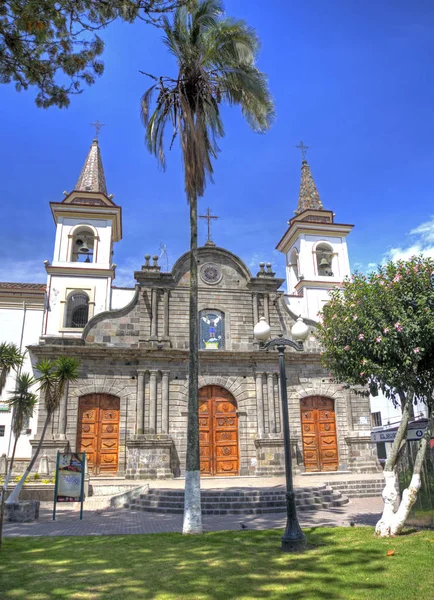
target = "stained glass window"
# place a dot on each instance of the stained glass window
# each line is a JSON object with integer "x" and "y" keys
{"x": 212, "y": 330}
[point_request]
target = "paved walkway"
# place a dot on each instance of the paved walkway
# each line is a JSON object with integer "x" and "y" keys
{"x": 109, "y": 521}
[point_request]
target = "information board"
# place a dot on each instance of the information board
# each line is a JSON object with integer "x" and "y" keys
{"x": 69, "y": 487}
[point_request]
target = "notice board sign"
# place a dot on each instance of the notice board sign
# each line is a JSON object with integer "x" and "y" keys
{"x": 69, "y": 487}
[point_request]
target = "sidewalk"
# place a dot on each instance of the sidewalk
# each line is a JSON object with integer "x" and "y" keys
{"x": 109, "y": 521}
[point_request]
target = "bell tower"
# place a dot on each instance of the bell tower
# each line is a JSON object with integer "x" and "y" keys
{"x": 315, "y": 248}
{"x": 81, "y": 273}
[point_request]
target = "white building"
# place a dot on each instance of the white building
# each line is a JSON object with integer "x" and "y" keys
{"x": 316, "y": 251}
{"x": 79, "y": 282}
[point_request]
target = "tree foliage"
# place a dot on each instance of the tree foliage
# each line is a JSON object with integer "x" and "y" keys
{"x": 22, "y": 401}
{"x": 378, "y": 330}
{"x": 54, "y": 376}
{"x": 10, "y": 359}
{"x": 53, "y": 45}
{"x": 216, "y": 57}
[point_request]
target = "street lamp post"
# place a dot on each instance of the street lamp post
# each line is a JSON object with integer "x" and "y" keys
{"x": 293, "y": 539}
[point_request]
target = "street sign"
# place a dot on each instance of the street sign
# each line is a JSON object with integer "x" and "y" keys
{"x": 389, "y": 436}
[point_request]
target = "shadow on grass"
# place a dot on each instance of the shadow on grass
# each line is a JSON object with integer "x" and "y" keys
{"x": 340, "y": 564}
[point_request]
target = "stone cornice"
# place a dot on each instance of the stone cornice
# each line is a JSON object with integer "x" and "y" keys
{"x": 76, "y": 347}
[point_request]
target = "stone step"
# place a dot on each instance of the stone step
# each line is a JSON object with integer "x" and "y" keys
{"x": 235, "y": 511}
{"x": 238, "y": 502}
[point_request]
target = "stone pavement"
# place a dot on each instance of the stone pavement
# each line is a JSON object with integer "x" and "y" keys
{"x": 109, "y": 521}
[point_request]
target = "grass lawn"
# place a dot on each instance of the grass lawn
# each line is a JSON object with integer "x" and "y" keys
{"x": 342, "y": 563}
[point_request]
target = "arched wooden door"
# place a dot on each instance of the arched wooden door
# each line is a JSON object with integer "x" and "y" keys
{"x": 318, "y": 424}
{"x": 218, "y": 432}
{"x": 98, "y": 432}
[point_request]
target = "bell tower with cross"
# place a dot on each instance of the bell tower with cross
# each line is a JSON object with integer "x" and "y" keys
{"x": 81, "y": 273}
{"x": 315, "y": 248}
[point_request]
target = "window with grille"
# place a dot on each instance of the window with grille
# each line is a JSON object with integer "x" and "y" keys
{"x": 77, "y": 312}
{"x": 2, "y": 430}
{"x": 376, "y": 419}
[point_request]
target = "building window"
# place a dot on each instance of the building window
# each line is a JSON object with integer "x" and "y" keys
{"x": 77, "y": 311}
{"x": 212, "y": 330}
{"x": 2, "y": 430}
{"x": 376, "y": 419}
{"x": 324, "y": 260}
{"x": 83, "y": 245}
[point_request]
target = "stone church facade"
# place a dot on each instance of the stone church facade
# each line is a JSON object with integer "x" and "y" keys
{"x": 128, "y": 408}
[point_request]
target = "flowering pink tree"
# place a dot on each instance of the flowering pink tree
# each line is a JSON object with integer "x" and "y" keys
{"x": 378, "y": 332}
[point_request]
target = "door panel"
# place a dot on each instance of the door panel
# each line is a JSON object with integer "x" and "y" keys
{"x": 218, "y": 424}
{"x": 98, "y": 432}
{"x": 318, "y": 426}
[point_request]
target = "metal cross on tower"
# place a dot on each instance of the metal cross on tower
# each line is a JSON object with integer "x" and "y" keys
{"x": 208, "y": 217}
{"x": 97, "y": 126}
{"x": 303, "y": 149}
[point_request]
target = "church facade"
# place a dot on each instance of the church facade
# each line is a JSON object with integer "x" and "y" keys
{"x": 128, "y": 408}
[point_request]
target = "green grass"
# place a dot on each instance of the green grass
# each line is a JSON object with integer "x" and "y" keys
{"x": 341, "y": 563}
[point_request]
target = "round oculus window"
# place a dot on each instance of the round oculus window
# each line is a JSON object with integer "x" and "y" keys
{"x": 210, "y": 273}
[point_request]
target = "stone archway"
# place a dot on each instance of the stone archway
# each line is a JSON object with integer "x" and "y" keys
{"x": 218, "y": 432}
{"x": 318, "y": 425}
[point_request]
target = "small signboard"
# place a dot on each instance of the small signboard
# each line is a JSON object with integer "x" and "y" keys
{"x": 69, "y": 487}
{"x": 389, "y": 436}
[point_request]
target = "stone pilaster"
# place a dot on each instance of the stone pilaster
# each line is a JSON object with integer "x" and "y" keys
{"x": 154, "y": 305}
{"x": 267, "y": 308}
{"x": 260, "y": 405}
{"x": 153, "y": 401}
{"x": 165, "y": 402}
{"x": 140, "y": 423}
{"x": 166, "y": 313}
{"x": 255, "y": 308}
{"x": 271, "y": 410}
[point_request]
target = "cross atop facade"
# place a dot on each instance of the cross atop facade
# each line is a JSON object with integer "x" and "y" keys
{"x": 303, "y": 149}
{"x": 97, "y": 126}
{"x": 208, "y": 217}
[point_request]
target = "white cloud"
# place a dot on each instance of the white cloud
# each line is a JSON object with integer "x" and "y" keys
{"x": 423, "y": 244}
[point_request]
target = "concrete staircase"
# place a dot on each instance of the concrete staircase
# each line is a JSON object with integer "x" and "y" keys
{"x": 359, "y": 488}
{"x": 240, "y": 501}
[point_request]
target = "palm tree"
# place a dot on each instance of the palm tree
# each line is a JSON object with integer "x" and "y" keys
{"x": 54, "y": 377}
{"x": 22, "y": 402}
{"x": 216, "y": 64}
{"x": 10, "y": 359}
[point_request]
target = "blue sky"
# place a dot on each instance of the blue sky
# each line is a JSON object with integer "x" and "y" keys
{"x": 353, "y": 79}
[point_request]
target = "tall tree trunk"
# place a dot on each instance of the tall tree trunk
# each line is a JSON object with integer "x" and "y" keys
{"x": 192, "y": 504}
{"x": 5, "y": 489}
{"x": 15, "y": 495}
{"x": 409, "y": 495}
{"x": 386, "y": 524}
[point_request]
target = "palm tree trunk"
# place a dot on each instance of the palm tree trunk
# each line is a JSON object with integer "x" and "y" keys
{"x": 14, "y": 497}
{"x": 5, "y": 489}
{"x": 192, "y": 505}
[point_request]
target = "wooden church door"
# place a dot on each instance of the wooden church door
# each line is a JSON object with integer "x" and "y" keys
{"x": 98, "y": 432}
{"x": 218, "y": 432}
{"x": 318, "y": 424}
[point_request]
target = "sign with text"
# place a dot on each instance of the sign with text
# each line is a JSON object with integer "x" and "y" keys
{"x": 389, "y": 436}
{"x": 69, "y": 487}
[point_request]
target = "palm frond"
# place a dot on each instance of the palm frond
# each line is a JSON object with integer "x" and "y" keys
{"x": 10, "y": 359}
{"x": 216, "y": 59}
{"x": 22, "y": 401}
